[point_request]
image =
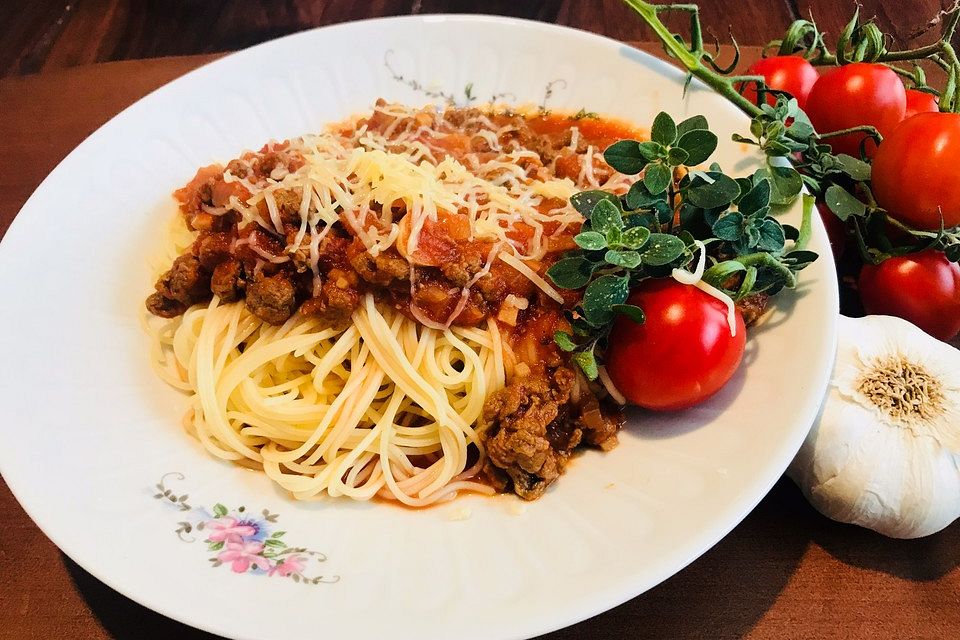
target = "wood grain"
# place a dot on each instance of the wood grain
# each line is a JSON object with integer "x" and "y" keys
{"x": 57, "y": 34}
{"x": 784, "y": 573}
{"x": 899, "y": 18}
{"x": 28, "y": 31}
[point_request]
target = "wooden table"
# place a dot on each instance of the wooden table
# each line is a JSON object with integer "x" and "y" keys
{"x": 784, "y": 573}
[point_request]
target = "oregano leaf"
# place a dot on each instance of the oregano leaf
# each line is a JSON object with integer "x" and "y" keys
{"x": 625, "y": 157}
{"x": 712, "y": 195}
{"x": 590, "y": 240}
{"x": 842, "y": 203}
{"x": 587, "y": 363}
{"x": 565, "y": 341}
{"x": 664, "y": 129}
{"x": 757, "y": 198}
{"x": 639, "y": 197}
{"x": 626, "y": 259}
{"x": 677, "y": 156}
{"x": 633, "y": 312}
{"x": 657, "y": 178}
{"x": 853, "y": 167}
{"x": 729, "y": 227}
{"x": 699, "y": 145}
{"x": 771, "y": 236}
{"x": 693, "y": 123}
{"x": 635, "y": 237}
{"x": 571, "y": 273}
{"x": 662, "y": 248}
{"x": 601, "y": 295}
{"x": 585, "y": 201}
{"x": 606, "y": 215}
{"x": 785, "y": 183}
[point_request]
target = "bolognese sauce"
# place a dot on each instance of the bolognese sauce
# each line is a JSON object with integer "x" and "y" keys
{"x": 266, "y": 237}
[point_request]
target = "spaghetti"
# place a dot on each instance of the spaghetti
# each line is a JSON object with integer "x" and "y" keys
{"x": 341, "y": 307}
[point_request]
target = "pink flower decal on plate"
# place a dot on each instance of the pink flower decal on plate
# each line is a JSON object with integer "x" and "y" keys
{"x": 242, "y": 555}
{"x": 290, "y": 566}
{"x": 226, "y": 529}
{"x": 248, "y": 544}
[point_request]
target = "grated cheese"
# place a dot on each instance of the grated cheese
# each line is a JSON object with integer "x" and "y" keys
{"x": 360, "y": 175}
{"x": 532, "y": 275}
{"x": 696, "y": 279}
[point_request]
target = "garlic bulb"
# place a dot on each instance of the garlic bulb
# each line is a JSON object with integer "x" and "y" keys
{"x": 885, "y": 452}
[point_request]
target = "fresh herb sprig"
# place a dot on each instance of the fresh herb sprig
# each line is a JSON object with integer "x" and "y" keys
{"x": 675, "y": 211}
{"x": 782, "y": 130}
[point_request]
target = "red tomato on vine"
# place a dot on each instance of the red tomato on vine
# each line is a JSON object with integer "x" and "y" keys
{"x": 792, "y": 74}
{"x": 856, "y": 94}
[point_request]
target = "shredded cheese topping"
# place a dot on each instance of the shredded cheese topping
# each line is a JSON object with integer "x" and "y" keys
{"x": 371, "y": 177}
{"x": 696, "y": 279}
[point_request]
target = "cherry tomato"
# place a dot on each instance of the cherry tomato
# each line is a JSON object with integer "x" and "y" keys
{"x": 792, "y": 74}
{"x": 836, "y": 229}
{"x": 914, "y": 172}
{"x": 856, "y": 94}
{"x": 922, "y": 287}
{"x": 681, "y": 355}
{"x": 920, "y": 102}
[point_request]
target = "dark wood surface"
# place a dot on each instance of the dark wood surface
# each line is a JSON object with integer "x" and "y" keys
{"x": 784, "y": 573}
{"x": 41, "y": 35}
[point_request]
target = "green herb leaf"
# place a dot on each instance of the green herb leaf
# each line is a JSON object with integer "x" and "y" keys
{"x": 853, "y": 167}
{"x": 720, "y": 272}
{"x": 662, "y": 248}
{"x": 692, "y": 123}
{"x": 571, "y": 273}
{"x": 625, "y": 157}
{"x": 614, "y": 237}
{"x": 777, "y": 149}
{"x": 215, "y": 546}
{"x": 601, "y": 295}
{"x": 800, "y": 259}
{"x": 772, "y": 237}
{"x": 588, "y": 363}
{"x": 729, "y": 227}
{"x": 677, "y": 156}
{"x": 712, "y": 195}
{"x": 585, "y": 201}
{"x": 626, "y": 259}
{"x": 639, "y": 197}
{"x": 565, "y": 341}
{"x": 635, "y": 237}
{"x": 591, "y": 240}
{"x": 785, "y": 183}
{"x": 651, "y": 150}
{"x": 657, "y": 178}
{"x": 219, "y": 510}
{"x": 633, "y": 312}
{"x": 801, "y": 127}
{"x": 842, "y": 203}
{"x": 583, "y": 114}
{"x": 606, "y": 215}
{"x": 756, "y": 199}
{"x": 664, "y": 129}
{"x": 699, "y": 145}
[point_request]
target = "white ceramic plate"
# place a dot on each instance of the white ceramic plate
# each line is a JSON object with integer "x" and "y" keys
{"x": 88, "y": 430}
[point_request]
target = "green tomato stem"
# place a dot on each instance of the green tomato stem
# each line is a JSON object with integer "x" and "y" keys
{"x": 865, "y": 128}
{"x": 758, "y": 260}
{"x": 690, "y": 59}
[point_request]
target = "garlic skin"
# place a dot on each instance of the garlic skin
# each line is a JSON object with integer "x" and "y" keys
{"x": 885, "y": 451}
